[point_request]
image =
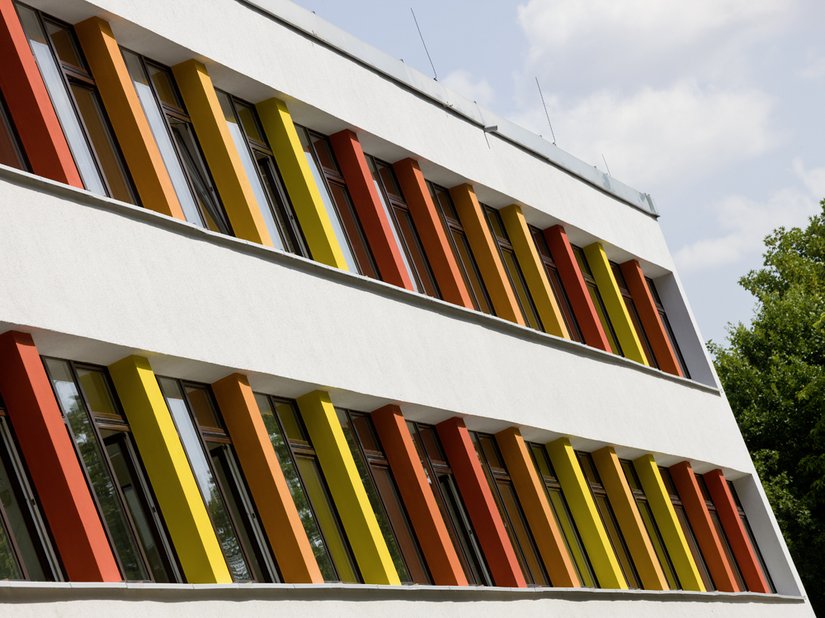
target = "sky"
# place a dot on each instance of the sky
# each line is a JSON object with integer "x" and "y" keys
{"x": 714, "y": 107}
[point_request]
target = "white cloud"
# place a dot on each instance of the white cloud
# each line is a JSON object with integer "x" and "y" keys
{"x": 744, "y": 222}
{"x": 464, "y": 83}
{"x": 654, "y": 137}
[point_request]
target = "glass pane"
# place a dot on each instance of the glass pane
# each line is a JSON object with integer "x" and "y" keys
{"x": 572, "y": 539}
{"x": 285, "y": 218}
{"x": 227, "y": 537}
{"x": 412, "y": 242}
{"x": 444, "y": 201}
{"x": 96, "y": 393}
{"x": 658, "y": 544}
{"x": 607, "y": 326}
{"x": 155, "y": 117}
{"x": 296, "y": 488}
{"x": 11, "y": 151}
{"x": 97, "y": 470}
{"x": 694, "y": 547}
{"x": 521, "y": 534}
{"x": 474, "y": 565}
{"x": 520, "y": 288}
{"x": 53, "y": 78}
{"x": 324, "y": 152}
{"x": 332, "y": 213}
{"x": 334, "y": 536}
{"x": 200, "y": 402}
{"x": 737, "y": 574}
{"x": 250, "y": 168}
{"x": 389, "y": 181}
{"x": 9, "y": 569}
{"x": 64, "y": 45}
{"x": 366, "y": 434}
{"x": 470, "y": 270}
{"x": 616, "y": 540}
{"x": 393, "y": 226}
{"x": 125, "y": 473}
{"x": 165, "y": 87}
{"x": 249, "y": 122}
{"x": 352, "y": 225}
{"x": 291, "y": 423}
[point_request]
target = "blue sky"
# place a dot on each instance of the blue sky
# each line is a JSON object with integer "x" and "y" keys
{"x": 715, "y": 107}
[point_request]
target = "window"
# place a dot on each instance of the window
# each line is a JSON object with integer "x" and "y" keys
{"x": 403, "y": 228}
{"x": 720, "y": 532}
{"x": 114, "y": 471}
{"x": 177, "y": 142}
{"x": 218, "y": 475}
{"x": 598, "y": 303}
{"x": 556, "y": 285}
{"x": 510, "y": 508}
{"x": 650, "y": 525}
{"x": 634, "y": 314}
{"x": 25, "y": 546}
{"x": 687, "y": 529}
{"x": 11, "y": 151}
{"x": 561, "y": 510}
{"x": 511, "y": 266}
{"x": 382, "y": 490}
{"x": 668, "y": 329}
{"x": 308, "y": 488}
{"x": 77, "y": 103}
{"x": 441, "y": 479}
{"x": 461, "y": 248}
{"x": 748, "y": 530}
{"x": 608, "y": 517}
{"x": 262, "y": 171}
{"x": 338, "y": 202}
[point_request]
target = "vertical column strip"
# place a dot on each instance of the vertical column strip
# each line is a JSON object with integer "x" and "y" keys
{"x": 169, "y": 472}
{"x": 576, "y": 288}
{"x": 371, "y": 213}
{"x": 533, "y": 498}
{"x": 649, "y": 316}
{"x": 738, "y": 538}
{"x": 418, "y": 497}
{"x": 431, "y": 231}
{"x": 50, "y": 457}
{"x": 669, "y": 526}
{"x": 29, "y": 104}
{"x": 706, "y": 535}
{"x": 347, "y": 490}
{"x": 633, "y": 529}
{"x": 614, "y": 303}
{"x": 221, "y": 154}
{"x": 486, "y": 253}
{"x": 266, "y": 480}
{"x": 300, "y": 185}
{"x": 583, "y": 507}
{"x": 128, "y": 118}
{"x": 533, "y": 270}
{"x": 481, "y": 506}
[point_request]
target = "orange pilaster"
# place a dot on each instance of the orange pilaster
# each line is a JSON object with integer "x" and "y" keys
{"x": 537, "y": 509}
{"x": 431, "y": 231}
{"x": 697, "y": 512}
{"x": 55, "y": 470}
{"x": 29, "y": 104}
{"x": 738, "y": 537}
{"x": 364, "y": 193}
{"x": 277, "y": 511}
{"x": 418, "y": 497}
{"x": 574, "y": 285}
{"x": 651, "y": 321}
{"x": 481, "y": 506}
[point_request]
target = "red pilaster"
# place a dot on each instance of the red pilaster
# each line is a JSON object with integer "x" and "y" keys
{"x": 47, "y": 448}
{"x": 29, "y": 104}
{"x": 574, "y": 285}
{"x": 481, "y": 506}
{"x": 377, "y": 227}
{"x": 703, "y": 528}
{"x": 432, "y": 233}
{"x": 649, "y": 315}
{"x": 738, "y": 537}
{"x": 418, "y": 497}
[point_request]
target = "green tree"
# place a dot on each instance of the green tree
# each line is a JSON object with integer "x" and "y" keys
{"x": 773, "y": 372}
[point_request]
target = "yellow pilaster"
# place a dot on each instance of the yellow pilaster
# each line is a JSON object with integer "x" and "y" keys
{"x": 486, "y": 253}
{"x": 169, "y": 472}
{"x": 614, "y": 303}
{"x": 630, "y": 522}
{"x": 221, "y": 154}
{"x": 669, "y": 526}
{"x": 347, "y": 490}
{"x": 594, "y": 536}
{"x": 533, "y": 270}
{"x": 306, "y": 198}
{"x": 128, "y": 119}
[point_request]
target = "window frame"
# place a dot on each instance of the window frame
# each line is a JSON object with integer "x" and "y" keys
{"x": 660, "y": 308}
{"x": 10, "y": 129}
{"x": 598, "y": 302}
{"x": 633, "y": 312}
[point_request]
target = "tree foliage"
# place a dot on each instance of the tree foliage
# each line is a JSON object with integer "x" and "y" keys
{"x": 773, "y": 373}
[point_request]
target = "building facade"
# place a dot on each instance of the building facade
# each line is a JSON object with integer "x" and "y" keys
{"x": 286, "y": 326}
